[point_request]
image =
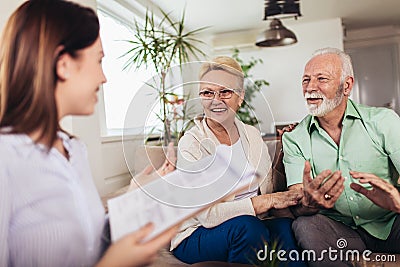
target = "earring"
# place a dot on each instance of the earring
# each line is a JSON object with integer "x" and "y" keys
{"x": 66, "y": 75}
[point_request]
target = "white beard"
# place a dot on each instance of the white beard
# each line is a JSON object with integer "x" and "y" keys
{"x": 326, "y": 106}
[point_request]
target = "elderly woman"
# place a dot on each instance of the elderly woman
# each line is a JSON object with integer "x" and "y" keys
{"x": 231, "y": 231}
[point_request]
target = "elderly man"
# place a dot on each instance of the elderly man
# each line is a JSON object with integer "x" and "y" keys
{"x": 346, "y": 159}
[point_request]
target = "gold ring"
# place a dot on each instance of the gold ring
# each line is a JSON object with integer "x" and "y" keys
{"x": 327, "y": 196}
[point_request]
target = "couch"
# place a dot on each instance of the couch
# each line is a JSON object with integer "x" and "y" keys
{"x": 165, "y": 257}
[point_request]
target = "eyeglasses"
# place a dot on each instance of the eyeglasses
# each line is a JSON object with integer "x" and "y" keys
{"x": 223, "y": 94}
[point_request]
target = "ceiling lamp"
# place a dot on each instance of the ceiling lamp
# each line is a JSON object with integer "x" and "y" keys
{"x": 277, "y": 34}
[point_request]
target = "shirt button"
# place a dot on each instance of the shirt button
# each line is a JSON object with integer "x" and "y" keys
{"x": 351, "y": 198}
{"x": 357, "y": 217}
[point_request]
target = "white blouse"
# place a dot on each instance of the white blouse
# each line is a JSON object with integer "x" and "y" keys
{"x": 240, "y": 155}
{"x": 200, "y": 141}
{"x": 51, "y": 213}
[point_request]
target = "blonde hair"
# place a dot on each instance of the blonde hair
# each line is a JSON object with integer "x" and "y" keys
{"x": 226, "y": 64}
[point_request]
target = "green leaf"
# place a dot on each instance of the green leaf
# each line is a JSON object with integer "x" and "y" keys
{"x": 245, "y": 113}
{"x": 161, "y": 45}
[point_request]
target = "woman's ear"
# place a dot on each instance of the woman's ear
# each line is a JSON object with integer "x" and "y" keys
{"x": 63, "y": 64}
{"x": 241, "y": 98}
{"x": 62, "y": 67}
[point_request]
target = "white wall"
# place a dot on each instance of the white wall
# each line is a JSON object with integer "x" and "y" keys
{"x": 382, "y": 40}
{"x": 283, "y": 67}
{"x": 6, "y": 8}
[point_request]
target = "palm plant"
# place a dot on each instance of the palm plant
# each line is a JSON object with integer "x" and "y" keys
{"x": 161, "y": 45}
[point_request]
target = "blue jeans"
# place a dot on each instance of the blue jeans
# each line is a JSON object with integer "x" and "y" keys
{"x": 237, "y": 240}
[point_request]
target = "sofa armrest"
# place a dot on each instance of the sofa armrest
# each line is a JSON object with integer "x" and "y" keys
{"x": 278, "y": 177}
{"x": 278, "y": 170}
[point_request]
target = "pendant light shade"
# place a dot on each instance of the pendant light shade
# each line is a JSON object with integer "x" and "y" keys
{"x": 276, "y": 35}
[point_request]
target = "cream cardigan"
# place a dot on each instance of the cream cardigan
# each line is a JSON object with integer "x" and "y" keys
{"x": 199, "y": 142}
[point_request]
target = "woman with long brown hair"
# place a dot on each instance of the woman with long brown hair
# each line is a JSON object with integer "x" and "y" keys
{"x": 50, "y": 67}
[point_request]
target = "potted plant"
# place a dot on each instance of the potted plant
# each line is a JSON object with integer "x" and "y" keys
{"x": 245, "y": 112}
{"x": 161, "y": 45}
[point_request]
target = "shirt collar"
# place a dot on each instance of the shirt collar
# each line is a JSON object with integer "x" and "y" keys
{"x": 351, "y": 112}
{"x": 66, "y": 139}
{"x": 24, "y": 143}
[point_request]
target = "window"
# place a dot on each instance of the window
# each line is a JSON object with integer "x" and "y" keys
{"x": 122, "y": 85}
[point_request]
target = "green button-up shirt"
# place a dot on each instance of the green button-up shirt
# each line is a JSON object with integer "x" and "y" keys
{"x": 369, "y": 142}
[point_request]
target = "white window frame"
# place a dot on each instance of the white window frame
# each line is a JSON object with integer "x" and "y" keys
{"x": 124, "y": 12}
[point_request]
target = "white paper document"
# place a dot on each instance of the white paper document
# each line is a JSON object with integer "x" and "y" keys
{"x": 181, "y": 194}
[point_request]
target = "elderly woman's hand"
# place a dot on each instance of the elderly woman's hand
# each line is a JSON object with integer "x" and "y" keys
{"x": 170, "y": 161}
{"x": 281, "y": 200}
{"x": 278, "y": 200}
{"x": 148, "y": 174}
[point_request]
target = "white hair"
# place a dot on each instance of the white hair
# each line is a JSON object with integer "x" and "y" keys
{"x": 347, "y": 67}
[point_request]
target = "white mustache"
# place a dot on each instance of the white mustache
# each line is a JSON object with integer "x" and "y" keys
{"x": 314, "y": 95}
